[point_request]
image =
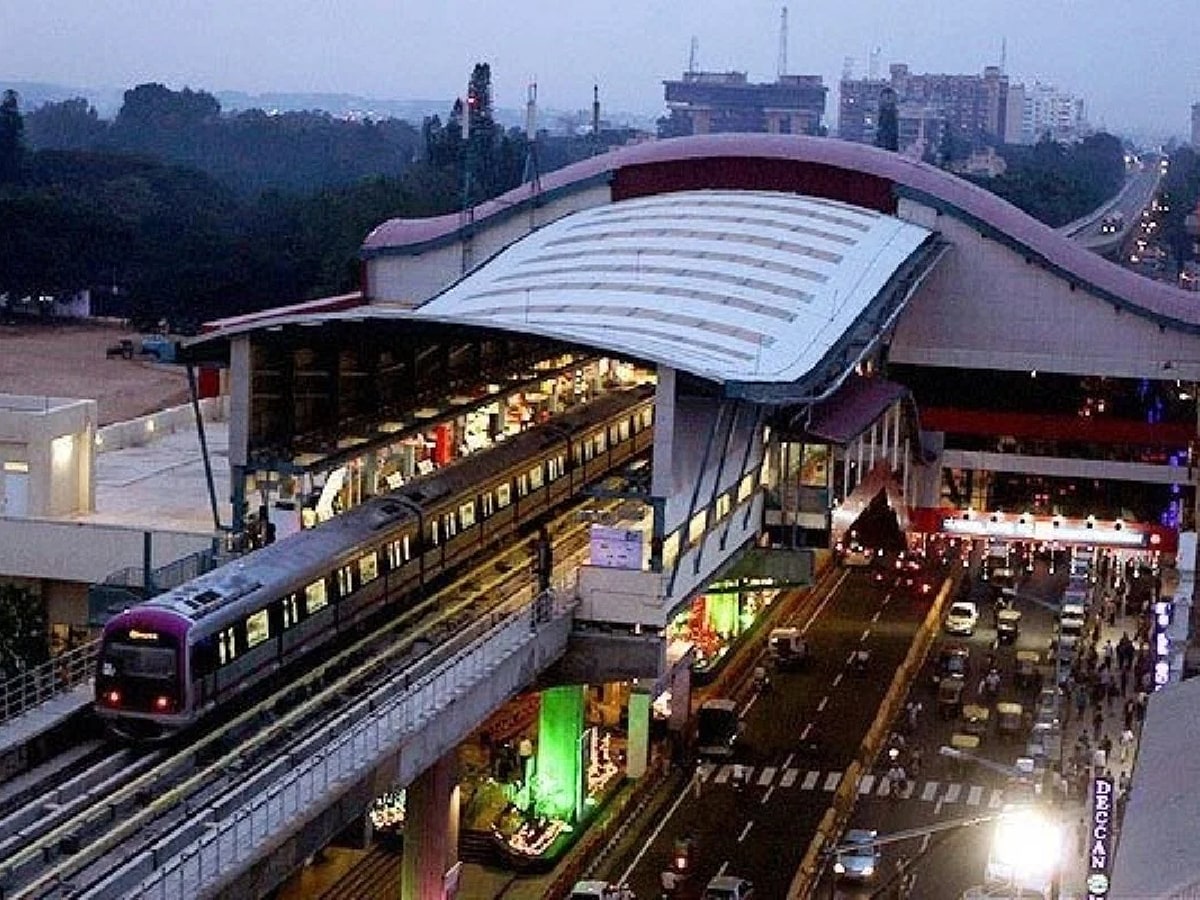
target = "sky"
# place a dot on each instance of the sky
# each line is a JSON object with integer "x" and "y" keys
{"x": 1135, "y": 64}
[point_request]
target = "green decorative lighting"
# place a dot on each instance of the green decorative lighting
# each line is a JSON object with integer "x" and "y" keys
{"x": 559, "y": 782}
{"x": 722, "y": 613}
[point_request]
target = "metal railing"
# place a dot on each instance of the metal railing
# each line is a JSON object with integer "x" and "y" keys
{"x": 35, "y": 686}
{"x": 230, "y": 844}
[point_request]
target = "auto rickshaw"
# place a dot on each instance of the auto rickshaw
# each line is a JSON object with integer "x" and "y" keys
{"x": 1010, "y": 720}
{"x": 1008, "y": 625}
{"x": 1027, "y": 675}
{"x": 950, "y": 696}
{"x": 975, "y": 719}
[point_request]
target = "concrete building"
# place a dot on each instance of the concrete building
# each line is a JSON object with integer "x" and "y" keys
{"x": 1196, "y": 125}
{"x": 713, "y": 102}
{"x": 975, "y": 107}
{"x": 1047, "y": 110}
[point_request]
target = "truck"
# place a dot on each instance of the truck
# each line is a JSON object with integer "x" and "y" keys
{"x": 718, "y": 728}
{"x": 787, "y": 647}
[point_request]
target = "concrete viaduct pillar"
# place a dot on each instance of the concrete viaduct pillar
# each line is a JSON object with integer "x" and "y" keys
{"x": 430, "y": 831}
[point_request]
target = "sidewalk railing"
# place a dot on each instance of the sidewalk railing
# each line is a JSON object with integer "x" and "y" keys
{"x": 43, "y": 682}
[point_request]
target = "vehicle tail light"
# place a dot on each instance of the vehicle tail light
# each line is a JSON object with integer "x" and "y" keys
{"x": 162, "y": 703}
{"x": 113, "y": 698}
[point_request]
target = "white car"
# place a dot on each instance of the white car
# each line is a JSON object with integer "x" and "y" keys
{"x": 962, "y": 618}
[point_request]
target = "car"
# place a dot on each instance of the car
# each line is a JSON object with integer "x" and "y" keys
{"x": 856, "y": 556}
{"x": 728, "y": 887}
{"x": 953, "y": 661}
{"x": 857, "y": 857}
{"x": 962, "y": 618}
{"x": 600, "y": 890}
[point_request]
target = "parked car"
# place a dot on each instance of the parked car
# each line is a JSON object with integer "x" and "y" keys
{"x": 962, "y": 618}
{"x": 728, "y": 887}
{"x": 857, "y": 858}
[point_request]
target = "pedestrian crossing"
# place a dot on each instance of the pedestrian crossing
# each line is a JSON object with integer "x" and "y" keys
{"x": 944, "y": 793}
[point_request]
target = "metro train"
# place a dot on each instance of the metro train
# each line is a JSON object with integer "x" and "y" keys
{"x": 166, "y": 663}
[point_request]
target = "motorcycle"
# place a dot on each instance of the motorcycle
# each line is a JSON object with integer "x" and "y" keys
{"x": 762, "y": 679}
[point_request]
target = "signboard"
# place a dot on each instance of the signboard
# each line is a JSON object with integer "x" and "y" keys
{"x": 1100, "y": 838}
{"x": 616, "y": 548}
{"x": 1162, "y": 643}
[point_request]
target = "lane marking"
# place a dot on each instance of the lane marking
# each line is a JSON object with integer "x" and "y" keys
{"x": 821, "y": 705}
{"x": 789, "y": 777}
{"x": 937, "y": 809}
{"x": 804, "y": 734}
{"x": 930, "y": 791}
{"x": 866, "y": 634}
{"x": 837, "y": 679}
{"x": 878, "y": 613}
{"x": 720, "y": 871}
{"x": 662, "y": 823}
{"x": 723, "y": 774}
{"x": 974, "y": 795}
{"x": 865, "y": 783}
{"x": 767, "y": 795}
{"x": 705, "y": 770}
{"x": 787, "y": 762}
{"x": 810, "y": 781}
{"x": 885, "y": 787}
{"x": 745, "y": 831}
{"x": 850, "y": 658}
{"x": 767, "y": 775}
{"x": 746, "y": 708}
{"x": 997, "y": 799}
{"x": 952, "y": 793}
{"x": 925, "y": 843}
{"x": 831, "y": 781}
{"x": 828, "y": 597}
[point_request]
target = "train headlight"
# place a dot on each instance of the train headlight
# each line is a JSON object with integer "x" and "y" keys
{"x": 113, "y": 698}
{"x": 162, "y": 704}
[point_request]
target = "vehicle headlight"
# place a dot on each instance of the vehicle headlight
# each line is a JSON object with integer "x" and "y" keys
{"x": 839, "y": 869}
{"x": 868, "y": 871}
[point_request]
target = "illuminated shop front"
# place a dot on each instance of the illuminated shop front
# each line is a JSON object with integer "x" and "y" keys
{"x": 712, "y": 622}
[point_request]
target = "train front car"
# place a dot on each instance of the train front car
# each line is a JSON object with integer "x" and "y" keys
{"x": 141, "y": 674}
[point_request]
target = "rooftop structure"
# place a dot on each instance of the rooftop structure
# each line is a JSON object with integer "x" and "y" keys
{"x": 713, "y": 102}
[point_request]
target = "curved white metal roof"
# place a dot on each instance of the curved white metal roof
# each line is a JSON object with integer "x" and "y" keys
{"x": 740, "y": 286}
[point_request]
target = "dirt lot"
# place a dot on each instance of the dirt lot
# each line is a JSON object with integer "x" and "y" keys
{"x": 69, "y": 361}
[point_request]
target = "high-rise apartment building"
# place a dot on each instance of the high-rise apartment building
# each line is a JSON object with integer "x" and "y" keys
{"x": 712, "y": 102}
{"x": 1049, "y": 111}
{"x": 974, "y": 107}
{"x": 1196, "y": 125}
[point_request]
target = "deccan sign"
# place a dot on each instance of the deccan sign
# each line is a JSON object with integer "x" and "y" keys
{"x": 1100, "y": 838}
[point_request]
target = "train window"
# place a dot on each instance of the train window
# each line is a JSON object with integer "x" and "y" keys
{"x": 466, "y": 515}
{"x": 697, "y": 526}
{"x": 554, "y": 467}
{"x": 746, "y": 487}
{"x": 226, "y": 646}
{"x": 522, "y": 484}
{"x": 578, "y": 455}
{"x": 345, "y": 581}
{"x": 724, "y": 502}
{"x": 536, "y": 478}
{"x": 435, "y": 532}
{"x": 368, "y": 567}
{"x": 586, "y": 449}
{"x": 503, "y": 495}
{"x": 399, "y": 552}
{"x": 315, "y": 597}
{"x": 647, "y": 417}
{"x": 258, "y": 628}
{"x": 601, "y": 441}
{"x": 451, "y": 523}
{"x": 291, "y": 610}
{"x": 487, "y": 503}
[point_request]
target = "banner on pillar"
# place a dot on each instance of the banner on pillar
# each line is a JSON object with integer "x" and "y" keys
{"x": 616, "y": 548}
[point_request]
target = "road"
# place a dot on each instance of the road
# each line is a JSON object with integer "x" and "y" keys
{"x": 799, "y": 738}
{"x": 948, "y": 863}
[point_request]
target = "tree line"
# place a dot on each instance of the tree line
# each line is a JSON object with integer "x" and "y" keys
{"x": 181, "y": 212}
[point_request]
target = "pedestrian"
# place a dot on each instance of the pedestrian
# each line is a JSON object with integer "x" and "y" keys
{"x": 1126, "y": 744}
{"x": 1130, "y": 712}
{"x": 1097, "y": 724}
{"x": 669, "y": 881}
{"x": 1081, "y": 698}
{"x": 914, "y": 714}
{"x": 1109, "y": 651}
{"x": 1124, "y": 679}
{"x": 1099, "y": 759}
{"x": 1124, "y": 783}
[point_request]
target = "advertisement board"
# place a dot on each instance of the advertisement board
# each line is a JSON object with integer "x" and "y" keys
{"x": 616, "y": 548}
{"x": 1099, "y": 845}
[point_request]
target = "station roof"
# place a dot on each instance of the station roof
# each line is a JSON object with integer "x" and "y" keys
{"x": 731, "y": 286}
{"x": 1156, "y": 856}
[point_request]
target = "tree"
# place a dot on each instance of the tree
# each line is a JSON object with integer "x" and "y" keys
{"x": 887, "y": 134}
{"x": 12, "y": 141}
{"x": 69, "y": 125}
{"x": 23, "y": 642}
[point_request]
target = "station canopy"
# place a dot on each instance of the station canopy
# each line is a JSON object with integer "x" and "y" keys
{"x": 747, "y": 289}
